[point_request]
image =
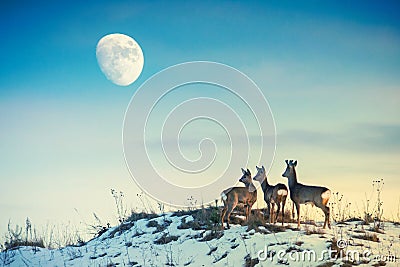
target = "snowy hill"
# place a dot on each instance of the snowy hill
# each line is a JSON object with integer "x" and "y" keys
{"x": 182, "y": 239}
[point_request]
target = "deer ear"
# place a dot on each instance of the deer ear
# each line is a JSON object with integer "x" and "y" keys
{"x": 243, "y": 171}
{"x": 263, "y": 168}
{"x": 295, "y": 163}
{"x": 287, "y": 163}
{"x": 248, "y": 172}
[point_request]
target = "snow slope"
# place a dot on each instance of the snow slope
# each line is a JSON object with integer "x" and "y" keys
{"x": 177, "y": 240}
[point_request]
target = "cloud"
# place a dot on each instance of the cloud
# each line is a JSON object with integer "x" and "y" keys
{"x": 364, "y": 138}
{"x": 383, "y": 136}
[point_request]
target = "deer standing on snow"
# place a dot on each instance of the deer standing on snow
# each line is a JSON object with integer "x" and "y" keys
{"x": 303, "y": 194}
{"x": 234, "y": 196}
{"x": 272, "y": 194}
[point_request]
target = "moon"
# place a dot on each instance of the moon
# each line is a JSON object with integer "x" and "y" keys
{"x": 120, "y": 58}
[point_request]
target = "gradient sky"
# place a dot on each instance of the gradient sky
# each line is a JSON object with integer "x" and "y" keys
{"x": 329, "y": 71}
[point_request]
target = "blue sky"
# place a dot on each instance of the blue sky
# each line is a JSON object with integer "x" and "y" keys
{"x": 329, "y": 71}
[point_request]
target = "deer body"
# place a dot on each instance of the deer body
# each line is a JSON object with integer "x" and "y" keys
{"x": 246, "y": 196}
{"x": 302, "y": 194}
{"x": 273, "y": 194}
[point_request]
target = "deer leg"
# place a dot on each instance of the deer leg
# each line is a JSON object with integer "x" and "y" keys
{"x": 228, "y": 213}
{"x": 248, "y": 212}
{"x": 292, "y": 210}
{"x": 265, "y": 212}
{"x": 278, "y": 205}
{"x": 272, "y": 212}
{"x": 326, "y": 211}
{"x": 329, "y": 217}
{"x": 269, "y": 211}
{"x": 283, "y": 210}
{"x": 298, "y": 214}
{"x": 223, "y": 216}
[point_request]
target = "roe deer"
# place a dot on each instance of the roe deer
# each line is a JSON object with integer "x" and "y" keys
{"x": 246, "y": 196}
{"x": 303, "y": 194}
{"x": 272, "y": 194}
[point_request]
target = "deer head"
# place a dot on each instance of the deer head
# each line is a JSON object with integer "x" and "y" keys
{"x": 290, "y": 165}
{"x": 246, "y": 178}
{"x": 260, "y": 176}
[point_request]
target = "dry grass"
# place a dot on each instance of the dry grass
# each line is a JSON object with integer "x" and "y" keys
{"x": 165, "y": 239}
{"x": 347, "y": 264}
{"x": 367, "y": 236}
{"x": 337, "y": 252}
{"x": 377, "y": 228}
{"x": 299, "y": 243}
{"x": 250, "y": 262}
{"x": 214, "y": 234}
{"x": 313, "y": 230}
{"x": 203, "y": 219}
{"x": 379, "y": 263}
{"x": 195, "y": 225}
{"x": 326, "y": 264}
{"x": 135, "y": 216}
{"x": 359, "y": 231}
{"x": 159, "y": 227}
{"x": 255, "y": 221}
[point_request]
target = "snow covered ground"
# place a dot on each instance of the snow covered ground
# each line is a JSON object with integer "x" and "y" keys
{"x": 179, "y": 240}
